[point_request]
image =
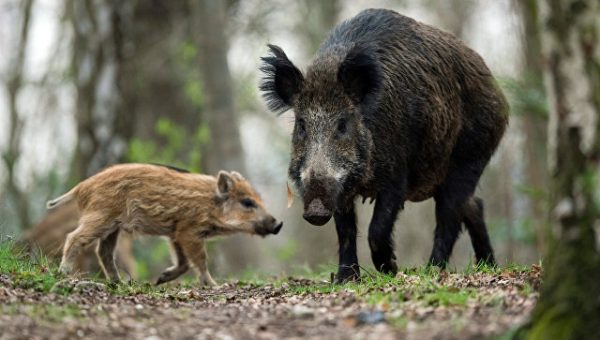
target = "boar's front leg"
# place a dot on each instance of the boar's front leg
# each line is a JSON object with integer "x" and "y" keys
{"x": 381, "y": 242}
{"x": 345, "y": 225}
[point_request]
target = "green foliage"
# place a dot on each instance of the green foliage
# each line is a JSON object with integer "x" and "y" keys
{"x": 288, "y": 251}
{"x": 149, "y": 262}
{"x": 526, "y": 96}
{"x": 519, "y": 230}
{"x": 186, "y": 57}
{"x": 177, "y": 141}
{"x": 540, "y": 194}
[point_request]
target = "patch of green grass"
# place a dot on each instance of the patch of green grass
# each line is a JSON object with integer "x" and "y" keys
{"x": 399, "y": 322}
{"x": 448, "y": 297}
{"x": 24, "y": 271}
{"x": 419, "y": 284}
{"x": 40, "y": 275}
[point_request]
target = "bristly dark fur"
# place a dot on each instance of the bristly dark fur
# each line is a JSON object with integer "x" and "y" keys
{"x": 361, "y": 76}
{"x": 393, "y": 110}
{"x": 282, "y": 79}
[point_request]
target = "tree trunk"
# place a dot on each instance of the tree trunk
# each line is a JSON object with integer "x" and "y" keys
{"x": 569, "y": 305}
{"x": 534, "y": 120}
{"x": 316, "y": 19}
{"x": 453, "y": 15}
{"x": 13, "y": 87}
{"x": 224, "y": 150}
{"x": 159, "y": 75}
{"x": 103, "y": 127}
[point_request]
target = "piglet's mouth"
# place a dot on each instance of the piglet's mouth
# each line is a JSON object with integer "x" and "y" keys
{"x": 274, "y": 229}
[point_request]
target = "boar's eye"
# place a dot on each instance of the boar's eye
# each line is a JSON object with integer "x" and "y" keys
{"x": 301, "y": 127}
{"x": 342, "y": 128}
{"x": 248, "y": 203}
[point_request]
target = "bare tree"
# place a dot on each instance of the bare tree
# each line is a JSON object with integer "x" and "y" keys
{"x": 224, "y": 150}
{"x": 569, "y": 307}
{"x": 316, "y": 19}
{"x": 158, "y": 76}
{"x": 103, "y": 127}
{"x": 453, "y": 15}
{"x": 534, "y": 114}
{"x": 14, "y": 84}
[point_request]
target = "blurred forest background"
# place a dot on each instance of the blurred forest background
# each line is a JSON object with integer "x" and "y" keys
{"x": 88, "y": 83}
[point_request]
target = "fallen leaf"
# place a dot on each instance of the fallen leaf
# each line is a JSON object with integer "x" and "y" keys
{"x": 290, "y": 197}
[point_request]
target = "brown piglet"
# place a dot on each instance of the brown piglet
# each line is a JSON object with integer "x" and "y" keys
{"x": 156, "y": 200}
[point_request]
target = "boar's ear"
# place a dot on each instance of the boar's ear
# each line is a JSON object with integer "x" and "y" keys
{"x": 224, "y": 184}
{"x": 360, "y": 75}
{"x": 281, "y": 82}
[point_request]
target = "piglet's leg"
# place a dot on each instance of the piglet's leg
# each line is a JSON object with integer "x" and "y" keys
{"x": 91, "y": 228}
{"x": 106, "y": 255}
{"x": 180, "y": 267}
{"x": 194, "y": 249}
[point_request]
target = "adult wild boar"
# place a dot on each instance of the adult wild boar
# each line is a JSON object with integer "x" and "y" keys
{"x": 393, "y": 110}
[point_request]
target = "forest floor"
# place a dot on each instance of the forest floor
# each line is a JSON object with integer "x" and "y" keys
{"x": 418, "y": 303}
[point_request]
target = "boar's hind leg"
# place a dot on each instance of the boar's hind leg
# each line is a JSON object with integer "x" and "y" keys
{"x": 106, "y": 255}
{"x": 381, "y": 241}
{"x": 180, "y": 267}
{"x": 451, "y": 198}
{"x": 475, "y": 223}
{"x": 345, "y": 224}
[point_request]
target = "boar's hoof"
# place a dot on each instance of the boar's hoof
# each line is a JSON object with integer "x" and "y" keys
{"x": 347, "y": 275}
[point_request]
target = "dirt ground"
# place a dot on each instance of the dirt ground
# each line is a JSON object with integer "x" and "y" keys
{"x": 294, "y": 308}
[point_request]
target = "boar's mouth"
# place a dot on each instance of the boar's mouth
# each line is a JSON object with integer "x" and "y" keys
{"x": 319, "y": 201}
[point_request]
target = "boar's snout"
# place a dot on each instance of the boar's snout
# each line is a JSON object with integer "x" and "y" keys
{"x": 316, "y": 213}
{"x": 269, "y": 226}
{"x": 319, "y": 199}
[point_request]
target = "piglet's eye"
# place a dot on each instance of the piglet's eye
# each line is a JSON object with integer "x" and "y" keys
{"x": 248, "y": 203}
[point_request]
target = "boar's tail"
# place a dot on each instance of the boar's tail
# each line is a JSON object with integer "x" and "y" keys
{"x": 61, "y": 200}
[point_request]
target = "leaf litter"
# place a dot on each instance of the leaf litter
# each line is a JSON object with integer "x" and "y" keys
{"x": 412, "y": 306}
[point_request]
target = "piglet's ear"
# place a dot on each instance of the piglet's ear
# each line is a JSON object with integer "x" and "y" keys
{"x": 360, "y": 75}
{"x": 282, "y": 80}
{"x": 237, "y": 176}
{"x": 224, "y": 183}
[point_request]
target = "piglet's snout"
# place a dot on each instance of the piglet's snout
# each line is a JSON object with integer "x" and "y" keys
{"x": 269, "y": 226}
{"x": 277, "y": 228}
